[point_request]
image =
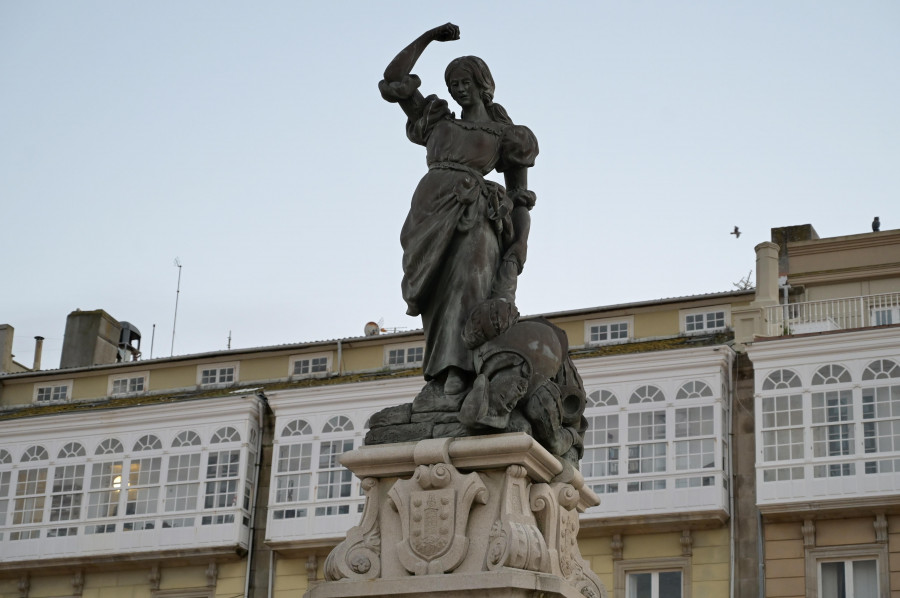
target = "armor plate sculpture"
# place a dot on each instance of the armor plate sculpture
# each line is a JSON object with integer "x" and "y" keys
{"x": 464, "y": 245}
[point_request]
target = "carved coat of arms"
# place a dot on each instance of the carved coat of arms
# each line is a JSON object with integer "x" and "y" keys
{"x": 434, "y": 509}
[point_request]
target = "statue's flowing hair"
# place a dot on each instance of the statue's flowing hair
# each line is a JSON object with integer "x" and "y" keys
{"x": 481, "y": 74}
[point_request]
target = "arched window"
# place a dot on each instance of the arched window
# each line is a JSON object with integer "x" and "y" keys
{"x": 695, "y": 389}
{"x": 186, "y": 438}
{"x": 781, "y": 379}
{"x": 647, "y": 394}
{"x": 297, "y": 427}
{"x": 333, "y": 481}
{"x": 881, "y": 369}
{"x": 602, "y": 398}
{"x": 338, "y": 423}
{"x": 293, "y": 470}
{"x": 105, "y": 486}
{"x": 832, "y": 421}
{"x": 5, "y": 477}
{"x": 35, "y": 453}
{"x": 222, "y": 476}
{"x": 110, "y": 446}
{"x": 881, "y": 415}
{"x": 73, "y": 449}
{"x": 227, "y": 434}
{"x": 143, "y": 478}
{"x": 831, "y": 374}
{"x": 67, "y": 491}
{"x": 30, "y": 496}
{"x": 182, "y": 486}
{"x": 147, "y": 442}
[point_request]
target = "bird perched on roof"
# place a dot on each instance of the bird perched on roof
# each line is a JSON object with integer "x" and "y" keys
{"x": 737, "y": 233}
{"x": 876, "y": 225}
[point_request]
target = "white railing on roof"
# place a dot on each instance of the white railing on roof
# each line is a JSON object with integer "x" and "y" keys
{"x": 833, "y": 314}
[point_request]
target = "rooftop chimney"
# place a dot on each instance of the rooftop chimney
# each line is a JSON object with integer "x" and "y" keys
{"x": 38, "y": 349}
{"x": 6, "y": 342}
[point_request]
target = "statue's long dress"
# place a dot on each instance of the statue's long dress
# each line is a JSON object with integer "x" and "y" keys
{"x": 453, "y": 238}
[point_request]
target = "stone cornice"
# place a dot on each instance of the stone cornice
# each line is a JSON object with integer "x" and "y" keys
{"x": 222, "y": 408}
{"x": 858, "y": 506}
{"x": 653, "y": 523}
{"x": 712, "y": 358}
{"x": 122, "y": 561}
{"x": 880, "y": 341}
{"x": 846, "y": 274}
{"x": 847, "y": 243}
{"x": 296, "y": 400}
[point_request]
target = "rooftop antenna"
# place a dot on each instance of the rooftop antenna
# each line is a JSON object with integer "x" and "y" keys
{"x": 152, "y": 340}
{"x": 175, "y": 317}
{"x": 229, "y": 340}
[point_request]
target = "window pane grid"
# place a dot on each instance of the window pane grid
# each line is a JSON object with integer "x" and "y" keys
{"x": 65, "y": 502}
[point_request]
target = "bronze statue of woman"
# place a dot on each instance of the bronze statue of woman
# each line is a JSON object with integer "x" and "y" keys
{"x": 465, "y": 238}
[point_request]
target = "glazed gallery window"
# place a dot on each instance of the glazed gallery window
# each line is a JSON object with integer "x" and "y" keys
{"x": 308, "y": 477}
{"x": 222, "y": 475}
{"x": 5, "y": 477}
{"x": 832, "y": 418}
{"x": 782, "y": 425}
{"x": 881, "y": 415}
{"x": 293, "y": 470}
{"x": 650, "y": 437}
{"x": 113, "y": 487}
{"x": 30, "y": 493}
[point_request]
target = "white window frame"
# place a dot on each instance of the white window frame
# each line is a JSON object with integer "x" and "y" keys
{"x": 130, "y": 376}
{"x": 405, "y": 347}
{"x": 705, "y": 311}
{"x": 608, "y": 324}
{"x": 53, "y": 386}
{"x": 218, "y": 367}
{"x": 860, "y": 552}
{"x": 310, "y": 357}
{"x": 622, "y": 569}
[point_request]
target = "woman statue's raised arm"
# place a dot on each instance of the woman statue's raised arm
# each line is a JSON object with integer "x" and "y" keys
{"x": 397, "y": 86}
{"x": 403, "y": 63}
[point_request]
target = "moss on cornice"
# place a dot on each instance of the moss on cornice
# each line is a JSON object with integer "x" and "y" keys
{"x": 200, "y": 394}
{"x": 666, "y": 344}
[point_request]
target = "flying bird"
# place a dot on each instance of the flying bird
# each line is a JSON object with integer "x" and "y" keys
{"x": 736, "y": 232}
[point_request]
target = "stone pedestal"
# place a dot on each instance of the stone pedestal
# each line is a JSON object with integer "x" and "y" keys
{"x": 453, "y": 517}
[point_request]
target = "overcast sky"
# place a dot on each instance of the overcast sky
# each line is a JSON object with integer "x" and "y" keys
{"x": 249, "y": 140}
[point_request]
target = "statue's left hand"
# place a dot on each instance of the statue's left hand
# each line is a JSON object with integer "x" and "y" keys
{"x": 447, "y": 32}
{"x": 517, "y": 253}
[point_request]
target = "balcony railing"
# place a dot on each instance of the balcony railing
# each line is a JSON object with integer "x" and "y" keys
{"x": 833, "y": 314}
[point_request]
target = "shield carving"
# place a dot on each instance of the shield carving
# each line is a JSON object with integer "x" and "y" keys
{"x": 431, "y": 522}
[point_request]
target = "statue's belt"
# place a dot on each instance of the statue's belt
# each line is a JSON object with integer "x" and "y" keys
{"x": 499, "y": 205}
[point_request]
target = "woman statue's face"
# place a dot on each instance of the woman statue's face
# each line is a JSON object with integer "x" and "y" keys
{"x": 463, "y": 88}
